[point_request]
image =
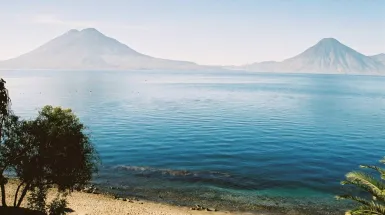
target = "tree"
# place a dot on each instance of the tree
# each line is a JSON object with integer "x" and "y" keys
{"x": 5, "y": 111}
{"x": 52, "y": 150}
{"x": 5, "y": 103}
{"x": 374, "y": 201}
{"x": 12, "y": 148}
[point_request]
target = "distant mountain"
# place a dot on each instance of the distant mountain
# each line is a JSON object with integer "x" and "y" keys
{"x": 379, "y": 58}
{"x": 90, "y": 49}
{"x": 327, "y": 56}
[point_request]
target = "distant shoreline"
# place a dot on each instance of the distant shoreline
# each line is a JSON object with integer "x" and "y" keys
{"x": 195, "y": 70}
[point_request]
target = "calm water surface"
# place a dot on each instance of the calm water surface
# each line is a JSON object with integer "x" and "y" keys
{"x": 219, "y": 138}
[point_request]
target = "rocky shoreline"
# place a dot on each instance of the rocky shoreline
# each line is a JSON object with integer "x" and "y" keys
{"x": 92, "y": 201}
{"x": 96, "y": 199}
{"x": 199, "y": 201}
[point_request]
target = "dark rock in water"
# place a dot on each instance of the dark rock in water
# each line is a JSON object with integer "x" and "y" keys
{"x": 87, "y": 190}
{"x": 113, "y": 188}
{"x": 78, "y": 188}
{"x": 199, "y": 208}
{"x": 90, "y": 189}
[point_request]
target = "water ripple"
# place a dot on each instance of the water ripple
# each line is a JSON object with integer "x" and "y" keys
{"x": 225, "y": 132}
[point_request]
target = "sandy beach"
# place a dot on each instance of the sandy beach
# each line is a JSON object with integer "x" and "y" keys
{"x": 89, "y": 204}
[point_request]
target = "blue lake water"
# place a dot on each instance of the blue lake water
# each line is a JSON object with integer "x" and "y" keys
{"x": 222, "y": 138}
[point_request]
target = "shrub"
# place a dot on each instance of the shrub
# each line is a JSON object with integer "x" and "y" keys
{"x": 37, "y": 199}
{"x": 58, "y": 206}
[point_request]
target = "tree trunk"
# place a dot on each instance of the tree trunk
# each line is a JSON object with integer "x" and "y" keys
{"x": 17, "y": 193}
{"x": 2, "y": 178}
{"x": 3, "y": 202}
{"x": 25, "y": 190}
{"x": 3, "y": 181}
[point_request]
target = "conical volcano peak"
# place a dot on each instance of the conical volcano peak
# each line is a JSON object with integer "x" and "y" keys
{"x": 90, "y": 30}
{"x": 327, "y": 56}
{"x": 90, "y": 49}
{"x": 328, "y": 46}
{"x": 73, "y": 31}
{"x": 329, "y": 41}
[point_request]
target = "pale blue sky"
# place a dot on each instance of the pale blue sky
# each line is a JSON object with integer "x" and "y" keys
{"x": 204, "y": 31}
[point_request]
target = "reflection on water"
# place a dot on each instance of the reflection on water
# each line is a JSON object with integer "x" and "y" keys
{"x": 242, "y": 138}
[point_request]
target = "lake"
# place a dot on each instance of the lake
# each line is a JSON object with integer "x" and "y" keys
{"x": 227, "y": 139}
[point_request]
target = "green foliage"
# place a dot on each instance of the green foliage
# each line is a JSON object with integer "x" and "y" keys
{"x": 5, "y": 111}
{"x": 52, "y": 150}
{"x": 372, "y": 186}
{"x": 5, "y": 101}
{"x": 59, "y": 150}
{"x": 37, "y": 198}
{"x": 67, "y": 157}
{"x": 58, "y": 206}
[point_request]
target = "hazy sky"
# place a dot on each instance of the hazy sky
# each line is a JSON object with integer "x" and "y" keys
{"x": 204, "y": 31}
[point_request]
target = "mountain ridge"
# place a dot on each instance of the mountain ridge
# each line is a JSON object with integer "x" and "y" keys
{"x": 379, "y": 57}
